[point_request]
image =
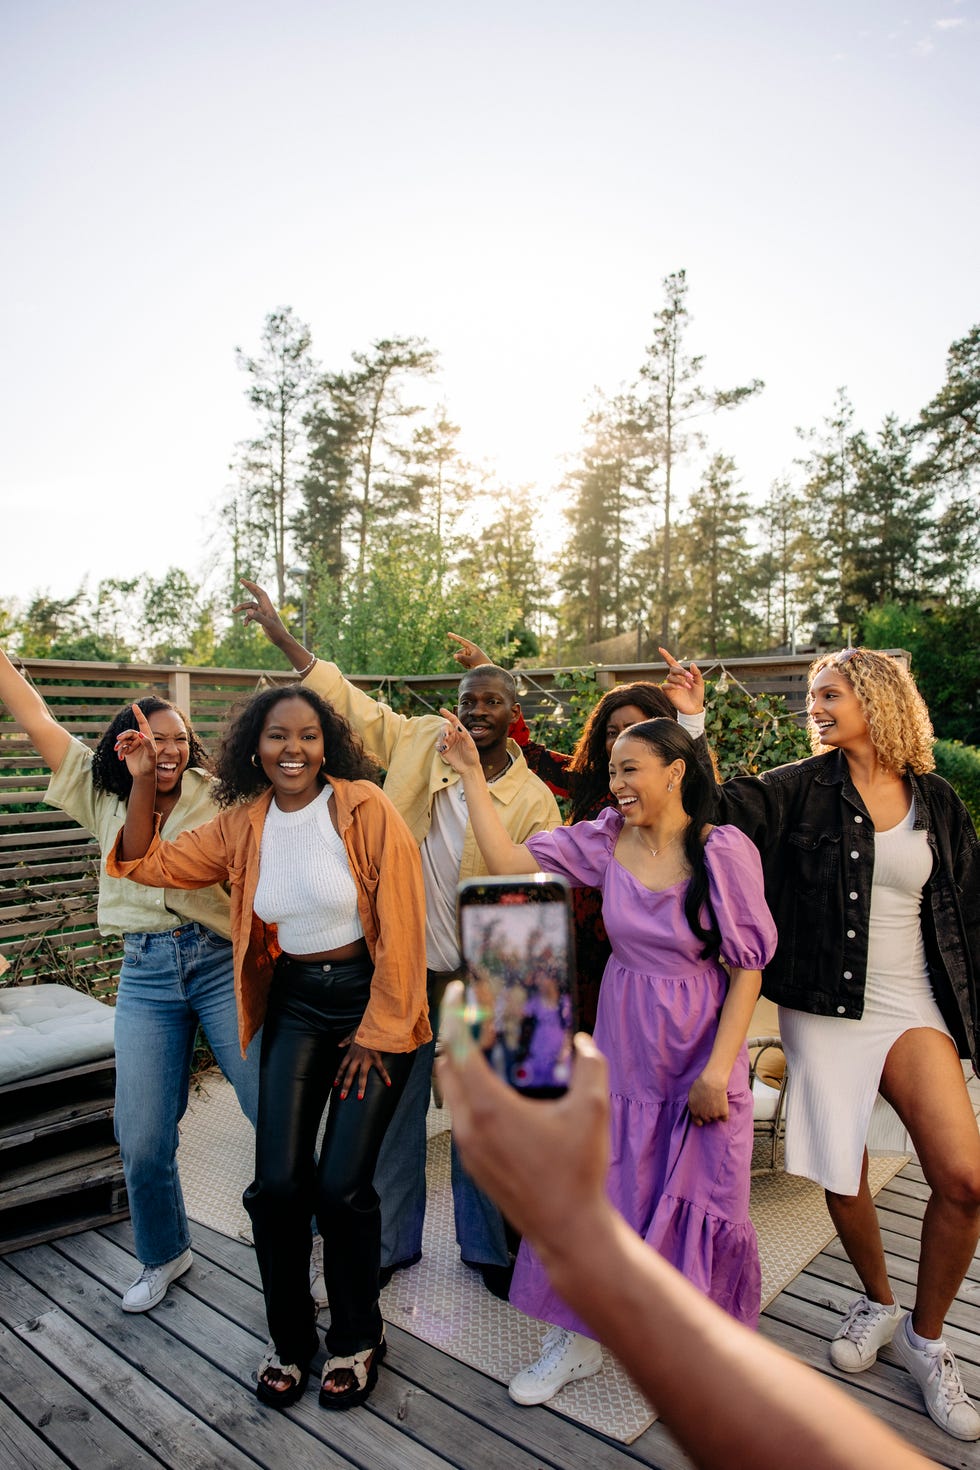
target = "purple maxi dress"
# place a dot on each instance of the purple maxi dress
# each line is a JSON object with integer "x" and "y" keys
{"x": 684, "y": 1189}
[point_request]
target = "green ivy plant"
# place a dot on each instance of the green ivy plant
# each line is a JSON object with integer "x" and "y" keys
{"x": 750, "y": 733}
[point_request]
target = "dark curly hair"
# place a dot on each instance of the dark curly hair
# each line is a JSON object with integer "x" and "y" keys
{"x": 240, "y": 780}
{"x": 666, "y": 738}
{"x": 111, "y": 774}
{"x": 590, "y": 761}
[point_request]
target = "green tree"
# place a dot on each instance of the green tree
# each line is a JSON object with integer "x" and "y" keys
{"x": 282, "y": 385}
{"x": 948, "y": 432}
{"x": 404, "y": 612}
{"x": 440, "y": 482}
{"x": 831, "y": 538}
{"x": 178, "y": 622}
{"x": 949, "y": 425}
{"x": 672, "y": 398}
{"x": 78, "y": 627}
{"x": 716, "y": 563}
{"x": 943, "y": 642}
{"x": 892, "y": 517}
{"x": 502, "y": 564}
{"x": 603, "y": 490}
{"x": 357, "y": 477}
{"x": 780, "y": 520}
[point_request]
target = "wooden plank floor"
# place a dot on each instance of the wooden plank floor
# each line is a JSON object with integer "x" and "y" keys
{"x": 84, "y": 1385}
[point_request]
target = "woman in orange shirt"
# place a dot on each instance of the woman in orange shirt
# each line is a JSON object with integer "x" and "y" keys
{"x": 327, "y": 914}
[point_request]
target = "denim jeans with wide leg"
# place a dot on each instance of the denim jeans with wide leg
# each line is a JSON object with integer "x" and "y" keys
{"x": 312, "y": 1008}
{"x": 400, "y": 1175}
{"x": 169, "y": 983}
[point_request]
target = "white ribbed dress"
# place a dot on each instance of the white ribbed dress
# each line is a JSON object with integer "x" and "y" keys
{"x": 835, "y": 1063}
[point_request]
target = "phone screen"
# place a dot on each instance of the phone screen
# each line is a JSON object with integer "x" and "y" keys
{"x": 516, "y": 943}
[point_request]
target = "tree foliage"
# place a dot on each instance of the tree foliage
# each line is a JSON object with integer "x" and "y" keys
{"x": 354, "y": 502}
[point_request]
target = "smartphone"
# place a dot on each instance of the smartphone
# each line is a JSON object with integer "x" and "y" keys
{"x": 516, "y": 943}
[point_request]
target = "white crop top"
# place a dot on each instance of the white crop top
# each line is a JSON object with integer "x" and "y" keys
{"x": 305, "y": 884}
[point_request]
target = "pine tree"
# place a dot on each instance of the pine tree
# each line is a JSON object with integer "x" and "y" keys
{"x": 282, "y": 384}
{"x": 673, "y": 397}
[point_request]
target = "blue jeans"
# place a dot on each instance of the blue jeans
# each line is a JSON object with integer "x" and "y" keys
{"x": 400, "y": 1175}
{"x": 168, "y": 984}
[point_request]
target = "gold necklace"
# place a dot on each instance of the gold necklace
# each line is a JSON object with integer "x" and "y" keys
{"x": 657, "y": 850}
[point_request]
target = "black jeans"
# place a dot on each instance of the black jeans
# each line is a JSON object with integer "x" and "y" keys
{"x": 312, "y": 1008}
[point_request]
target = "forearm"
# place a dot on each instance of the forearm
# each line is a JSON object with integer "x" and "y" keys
{"x": 733, "y": 1023}
{"x": 716, "y": 1385}
{"x": 139, "y": 826}
{"x": 500, "y": 852}
{"x": 298, "y": 656}
{"x": 32, "y": 714}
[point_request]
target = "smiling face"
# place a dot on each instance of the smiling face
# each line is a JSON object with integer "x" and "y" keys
{"x": 835, "y": 710}
{"x": 173, "y": 748}
{"x": 620, "y": 720}
{"x": 486, "y": 710}
{"x": 291, "y": 752}
{"x": 638, "y": 779}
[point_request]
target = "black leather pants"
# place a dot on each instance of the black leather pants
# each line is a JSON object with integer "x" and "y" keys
{"x": 312, "y": 1008}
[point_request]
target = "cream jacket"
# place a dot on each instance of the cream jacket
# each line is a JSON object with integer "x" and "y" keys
{"x": 406, "y": 746}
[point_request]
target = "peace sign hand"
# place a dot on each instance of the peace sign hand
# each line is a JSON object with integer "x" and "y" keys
{"x": 260, "y": 610}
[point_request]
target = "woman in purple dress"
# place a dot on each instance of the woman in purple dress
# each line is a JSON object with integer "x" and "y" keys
{"x": 684, "y": 908}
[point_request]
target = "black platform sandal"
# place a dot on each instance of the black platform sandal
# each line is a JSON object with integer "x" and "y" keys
{"x": 363, "y": 1369}
{"x": 280, "y": 1398}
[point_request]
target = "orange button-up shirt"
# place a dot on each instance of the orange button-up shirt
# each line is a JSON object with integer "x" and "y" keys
{"x": 387, "y": 871}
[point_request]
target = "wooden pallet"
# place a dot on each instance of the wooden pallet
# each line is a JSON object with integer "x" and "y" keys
{"x": 60, "y": 1169}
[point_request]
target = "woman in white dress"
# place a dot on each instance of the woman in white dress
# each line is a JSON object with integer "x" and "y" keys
{"x": 872, "y": 873}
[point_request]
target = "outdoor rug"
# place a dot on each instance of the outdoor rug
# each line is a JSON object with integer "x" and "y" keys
{"x": 443, "y": 1302}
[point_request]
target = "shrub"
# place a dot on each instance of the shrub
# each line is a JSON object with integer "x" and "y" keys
{"x": 960, "y": 765}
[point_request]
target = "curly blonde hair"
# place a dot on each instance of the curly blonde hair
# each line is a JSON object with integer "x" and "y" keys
{"x": 898, "y": 721}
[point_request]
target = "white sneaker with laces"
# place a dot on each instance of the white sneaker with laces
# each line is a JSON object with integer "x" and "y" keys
{"x": 947, "y": 1401}
{"x": 567, "y": 1356}
{"x": 151, "y": 1286}
{"x": 867, "y": 1327}
{"x": 318, "y": 1286}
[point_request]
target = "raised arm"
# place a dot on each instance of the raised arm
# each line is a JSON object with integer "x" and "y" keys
{"x": 32, "y": 715}
{"x": 500, "y": 853}
{"x": 138, "y": 749}
{"x": 545, "y": 1165}
{"x": 259, "y": 610}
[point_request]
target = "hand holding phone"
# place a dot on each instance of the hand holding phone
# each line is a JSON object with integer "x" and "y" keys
{"x": 516, "y": 943}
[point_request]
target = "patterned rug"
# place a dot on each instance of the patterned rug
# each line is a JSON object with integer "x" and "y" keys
{"x": 443, "y": 1302}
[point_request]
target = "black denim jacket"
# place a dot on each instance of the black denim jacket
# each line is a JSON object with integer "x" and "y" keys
{"x": 817, "y": 845}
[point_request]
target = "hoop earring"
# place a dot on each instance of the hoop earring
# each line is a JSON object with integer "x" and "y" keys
{"x": 255, "y": 763}
{"x": 670, "y": 785}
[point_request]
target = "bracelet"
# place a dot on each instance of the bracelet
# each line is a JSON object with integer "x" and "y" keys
{"x": 302, "y": 673}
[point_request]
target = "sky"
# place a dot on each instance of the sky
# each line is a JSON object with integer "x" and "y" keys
{"x": 511, "y": 182}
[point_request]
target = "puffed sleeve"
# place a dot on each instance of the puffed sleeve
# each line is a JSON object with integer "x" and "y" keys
{"x": 735, "y": 886}
{"x": 580, "y": 853}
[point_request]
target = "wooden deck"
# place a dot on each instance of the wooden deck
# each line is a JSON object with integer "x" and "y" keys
{"x": 86, "y": 1386}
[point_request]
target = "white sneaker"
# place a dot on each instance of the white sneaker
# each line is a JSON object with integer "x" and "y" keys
{"x": 318, "y": 1286}
{"x": 567, "y": 1356}
{"x": 151, "y": 1287}
{"x": 934, "y": 1370}
{"x": 867, "y": 1327}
